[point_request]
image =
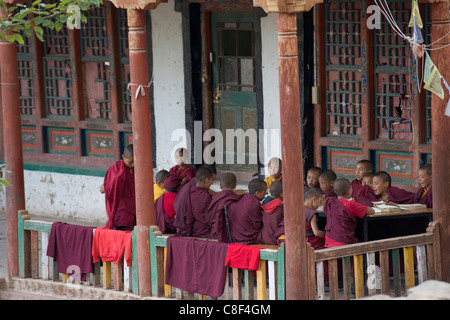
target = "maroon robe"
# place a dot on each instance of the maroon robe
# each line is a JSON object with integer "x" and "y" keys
{"x": 192, "y": 216}
{"x": 330, "y": 193}
{"x": 400, "y": 196}
{"x": 245, "y": 217}
{"x": 120, "y": 196}
{"x": 356, "y": 185}
{"x": 279, "y": 232}
{"x": 218, "y": 201}
{"x": 316, "y": 242}
{"x": 366, "y": 196}
{"x": 187, "y": 172}
{"x": 340, "y": 223}
{"x": 427, "y": 199}
{"x": 272, "y": 215}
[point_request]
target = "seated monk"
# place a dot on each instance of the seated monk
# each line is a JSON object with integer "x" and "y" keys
{"x": 225, "y": 197}
{"x": 424, "y": 195}
{"x": 272, "y": 214}
{"x": 244, "y": 216}
{"x": 362, "y": 168}
{"x": 164, "y": 206}
{"x": 381, "y": 185}
{"x": 193, "y": 218}
{"x": 184, "y": 170}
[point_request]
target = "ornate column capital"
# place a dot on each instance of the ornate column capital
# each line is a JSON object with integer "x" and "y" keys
{"x": 136, "y": 4}
{"x": 286, "y": 6}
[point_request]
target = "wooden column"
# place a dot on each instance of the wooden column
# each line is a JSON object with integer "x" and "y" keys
{"x": 291, "y": 148}
{"x": 12, "y": 135}
{"x": 143, "y": 163}
{"x": 440, "y": 125}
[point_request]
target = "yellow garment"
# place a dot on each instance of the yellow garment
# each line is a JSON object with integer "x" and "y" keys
{"x": 424, "y": 192}
{"x": 269, "y": 180}
{"x": 157, "y": 191}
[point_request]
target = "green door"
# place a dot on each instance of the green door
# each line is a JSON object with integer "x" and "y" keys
{"x": 234, "y": 89}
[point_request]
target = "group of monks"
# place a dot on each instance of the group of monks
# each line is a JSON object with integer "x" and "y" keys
{"x": 186, "y": 205}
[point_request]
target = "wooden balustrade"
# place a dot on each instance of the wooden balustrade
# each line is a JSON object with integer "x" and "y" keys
{"x": 389, "y": 266}
{"x": 385, "y": 261}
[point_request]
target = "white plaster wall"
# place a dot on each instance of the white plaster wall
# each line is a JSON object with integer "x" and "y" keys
{"x": 271, "y": 95}
{"x": 63, "y": 196}
{"x": 168, "y": 75}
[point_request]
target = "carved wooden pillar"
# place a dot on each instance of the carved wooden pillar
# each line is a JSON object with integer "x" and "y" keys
{"x": 143, "y": 163}
{"x": 12, "y": 135}
{"x": 440, "y": 125}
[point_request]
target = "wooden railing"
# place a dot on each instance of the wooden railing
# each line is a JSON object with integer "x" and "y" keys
{"x": 270, "y": 282}
{"x": 391, "y": 266}
{"x": 34, "y": 262}
{"x": 388, "y": 266}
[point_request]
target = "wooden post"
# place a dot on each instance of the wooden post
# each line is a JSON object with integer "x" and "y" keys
{"x": 12, "y": 135}
{"x": 440, "y": 125}
{"x": 143, "y": 163}
{"x": 291, "y": 144}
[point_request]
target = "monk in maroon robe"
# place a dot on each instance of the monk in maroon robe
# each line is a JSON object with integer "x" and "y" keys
{"x": 425, "y": 195}
{"x": 224, "y": 198}
{"x": 326, "y": 181}
{"x": 119, "y": 192}
{"x": 381, "y": 184}
{"x": 164, "y": 206}
{"x": 192, "y": 216}
{"x": 185, "y": 171}
{"x": 245, "y": 215}
{"x": 272, "y": 214}
{"x": 362, "y": 168}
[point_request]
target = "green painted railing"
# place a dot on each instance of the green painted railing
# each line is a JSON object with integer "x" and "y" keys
{"x": 34, "y": 263}
{"x": 271, "y": 267}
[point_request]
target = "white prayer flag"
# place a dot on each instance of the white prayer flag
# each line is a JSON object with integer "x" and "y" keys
{"x": 434, "y": 83}
{"x": 415, "y": 13}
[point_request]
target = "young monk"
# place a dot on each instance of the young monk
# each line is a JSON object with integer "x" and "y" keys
{"x": 312, "y": 177}
{"x": 314, "y": 198}
{"x": 158, "y": 186}
{"x": 381, "y": 185}
{"x": 272, "y": 214}
{"x": 365, "y": 194}
{"x": 164, "y": 206}
{"x": 192, "y": 218}
{"x": 119, "y": 193}
{"x": 362, "y": 167}
{"x": 244, "y": 216}
{"x": 424, "y": 195}
{"x": 181, "y": 168}
{"x": 341, "y": 215}
{"x": 228, "y": 184}
{"x": 274, "y": 168}
{"x": 326, "y": 181}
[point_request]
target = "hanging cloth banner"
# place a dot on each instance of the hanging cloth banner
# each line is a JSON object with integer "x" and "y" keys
{"x": 415, "y": 13}
{"x": 428, "y": 67}
{"x": 417, "y": 33}
{"x": 434, "y": 83}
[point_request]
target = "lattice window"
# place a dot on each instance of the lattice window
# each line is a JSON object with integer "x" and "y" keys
{"x": 344, "y": 58}
{"x": 26, "y": 78}
{"x": 95, "y": 58}
{"x": 124, "y": 63}
{"x": 57, "y": 73}
{"x": 393, "y": 77}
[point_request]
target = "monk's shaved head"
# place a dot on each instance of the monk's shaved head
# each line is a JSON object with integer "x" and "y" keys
{"x": 202, "y": 174}
{"x": 341, "y": 186}
{"x": 257, "y": 185}
{"x": 128, "y": 151}
{"x": 228, "y": 180}
{"x": 313, "y": 193}
{"x": 384, "y": 176}
{"x": 276, "y": 189}
{"x": 161, "y": 175}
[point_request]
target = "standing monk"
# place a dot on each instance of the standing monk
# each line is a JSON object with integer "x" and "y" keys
{"x": 119, "y": 192}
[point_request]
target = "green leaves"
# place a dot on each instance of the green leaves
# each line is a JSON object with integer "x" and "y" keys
{"x": 22, "y": 20}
